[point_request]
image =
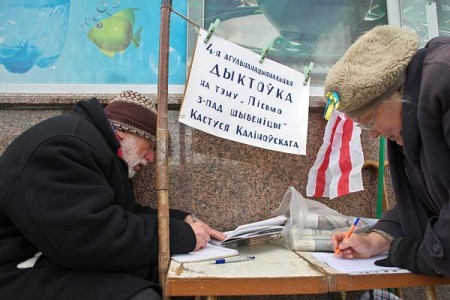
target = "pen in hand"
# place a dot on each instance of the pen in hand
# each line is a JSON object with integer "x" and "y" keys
{"x": 232, "y": 259}
{"x": 349, "y": 233}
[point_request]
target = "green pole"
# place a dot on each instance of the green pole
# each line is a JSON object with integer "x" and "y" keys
{"x": 380, "y": 185}
{"x": 380, "y": 178}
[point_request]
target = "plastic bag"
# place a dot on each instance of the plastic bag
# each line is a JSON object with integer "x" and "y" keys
{"x": 311, "y": 223}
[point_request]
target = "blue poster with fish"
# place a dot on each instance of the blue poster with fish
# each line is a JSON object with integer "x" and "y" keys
{"x": 86, "y": 42}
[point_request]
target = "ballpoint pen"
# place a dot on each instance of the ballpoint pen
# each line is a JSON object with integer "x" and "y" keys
{"x": 349, "y": 233}
{"x": 232, "y": 259}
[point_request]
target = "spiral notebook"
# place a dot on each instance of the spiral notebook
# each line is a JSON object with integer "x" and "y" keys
{"x": 357, "y": 265}
{"x": 210, "y": 252}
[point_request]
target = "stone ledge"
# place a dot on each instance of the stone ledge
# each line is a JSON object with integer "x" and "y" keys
{"x": 20, "y": 100}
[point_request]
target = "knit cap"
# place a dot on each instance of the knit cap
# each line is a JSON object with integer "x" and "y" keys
{"x": 134, "y": 113}
{"x": 372, "y": 69}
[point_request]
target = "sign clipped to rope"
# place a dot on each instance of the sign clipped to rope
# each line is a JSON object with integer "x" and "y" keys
{"x": 230, "y": 94}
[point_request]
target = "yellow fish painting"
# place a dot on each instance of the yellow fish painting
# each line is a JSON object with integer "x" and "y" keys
{"x": 115, "y": 33}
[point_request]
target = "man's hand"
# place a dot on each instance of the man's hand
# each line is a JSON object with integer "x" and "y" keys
{"x": 203, "y": 232}
{"x": 359, "y": 246}
{"x": 201, "y": 235}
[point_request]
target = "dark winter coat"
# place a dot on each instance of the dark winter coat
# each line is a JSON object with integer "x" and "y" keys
{"x": 421, "y": 168}
{"x": 65, "y": 192}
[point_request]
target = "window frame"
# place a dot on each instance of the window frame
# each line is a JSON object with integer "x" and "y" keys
{"x": 394, "y": 16}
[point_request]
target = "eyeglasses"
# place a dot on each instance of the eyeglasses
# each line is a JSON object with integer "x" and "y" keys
{"x": 370, "y": 126}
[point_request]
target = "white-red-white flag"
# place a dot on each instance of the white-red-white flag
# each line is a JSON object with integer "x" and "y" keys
{"x": 337, "y": 169}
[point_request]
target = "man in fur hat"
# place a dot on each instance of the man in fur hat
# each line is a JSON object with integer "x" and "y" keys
{"x": 392, "y": 89}
{"x": 69, "y": 226}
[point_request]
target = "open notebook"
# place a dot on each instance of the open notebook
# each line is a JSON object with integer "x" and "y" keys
{"x": 357, "y": 265}
{"x": 210, "y": 252}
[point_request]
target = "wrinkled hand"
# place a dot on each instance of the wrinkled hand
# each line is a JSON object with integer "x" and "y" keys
{"x": 356, "y": 246}
{"x": 201, "y": 235}
{"x": 203, "y": 232}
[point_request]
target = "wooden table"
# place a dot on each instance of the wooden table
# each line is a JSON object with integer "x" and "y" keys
{"x": 279, "y": 271}
{"x": 339, "y": 281}
{"x": 275, "y": 271}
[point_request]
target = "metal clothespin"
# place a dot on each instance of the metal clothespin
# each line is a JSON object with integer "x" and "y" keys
{"x": 211, "y": 29}
{"x": 265, "y": 52}
{"x": 308, "y": 71}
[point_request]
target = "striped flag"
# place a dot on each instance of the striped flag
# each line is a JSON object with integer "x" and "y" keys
{"x": 337, "y": 169}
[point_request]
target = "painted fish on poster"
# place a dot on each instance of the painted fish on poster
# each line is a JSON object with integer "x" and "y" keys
{"x": 114, "y": 34}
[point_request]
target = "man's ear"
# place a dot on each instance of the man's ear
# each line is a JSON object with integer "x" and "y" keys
{"x": 120, "y": 134}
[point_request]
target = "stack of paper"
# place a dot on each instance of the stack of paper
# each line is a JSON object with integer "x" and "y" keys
{"x": 210, "y": 252}
{"x": 253, "y": 233}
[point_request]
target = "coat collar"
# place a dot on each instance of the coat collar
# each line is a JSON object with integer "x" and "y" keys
{"x": 93, "y": 110}
{"x": 410, "y": 125}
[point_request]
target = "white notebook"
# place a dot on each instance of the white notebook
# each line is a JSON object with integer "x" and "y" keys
{"x": 210, "y": 252}
{"x": 356, "y": 265}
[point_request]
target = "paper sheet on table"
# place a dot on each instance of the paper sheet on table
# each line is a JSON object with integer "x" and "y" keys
{"x": 356, "y": 265}
{"x": 210, "y": 252}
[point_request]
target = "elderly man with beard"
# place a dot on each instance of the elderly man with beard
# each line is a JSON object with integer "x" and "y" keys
{"x": 69, "y": 225}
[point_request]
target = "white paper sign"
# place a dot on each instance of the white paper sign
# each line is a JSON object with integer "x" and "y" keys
{"x": 230, "y": 94}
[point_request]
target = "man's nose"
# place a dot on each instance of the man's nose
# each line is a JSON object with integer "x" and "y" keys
{"x": 150, "y": 156}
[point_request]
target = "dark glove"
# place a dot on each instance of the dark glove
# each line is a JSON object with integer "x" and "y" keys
{"x": 404, "y": 253}
{"x": 385, "y": 262}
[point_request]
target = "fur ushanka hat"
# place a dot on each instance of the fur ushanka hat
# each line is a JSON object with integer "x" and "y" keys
{"x": 372, "y": 69}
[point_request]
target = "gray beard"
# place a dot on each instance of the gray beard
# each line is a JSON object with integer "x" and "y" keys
{"x": 131, "y": 172}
